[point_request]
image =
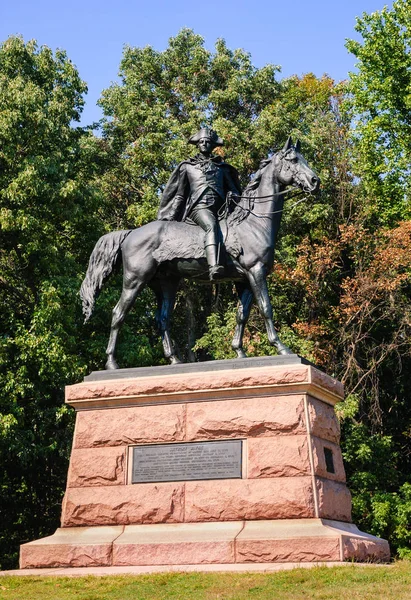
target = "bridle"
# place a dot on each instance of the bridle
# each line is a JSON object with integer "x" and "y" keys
{"x": 234, "y": 199}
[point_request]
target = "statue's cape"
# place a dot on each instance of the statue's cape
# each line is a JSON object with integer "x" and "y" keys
{"x": 172, "y": 208}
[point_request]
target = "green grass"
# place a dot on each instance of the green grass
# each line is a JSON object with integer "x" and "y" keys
{"x": 319, "y": 583}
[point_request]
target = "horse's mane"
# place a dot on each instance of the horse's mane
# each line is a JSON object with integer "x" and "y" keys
{"x": 246, "y": 204}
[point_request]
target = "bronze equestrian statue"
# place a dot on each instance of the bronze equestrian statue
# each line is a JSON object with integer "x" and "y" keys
{"x": 163, "y": 252}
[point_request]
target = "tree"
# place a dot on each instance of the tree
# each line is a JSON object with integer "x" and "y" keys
{"x": 46, "y": 214}
{"x": 374, "y": 334}
{"x": 162, "y": 99}
{"x": 380, "y": 98}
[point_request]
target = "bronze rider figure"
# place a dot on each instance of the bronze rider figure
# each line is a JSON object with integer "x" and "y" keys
{"x": 197, "y": 190}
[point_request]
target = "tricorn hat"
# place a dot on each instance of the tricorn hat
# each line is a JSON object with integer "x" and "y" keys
{"x": 206, "y": 132}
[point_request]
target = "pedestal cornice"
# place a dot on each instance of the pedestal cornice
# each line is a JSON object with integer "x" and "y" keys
{"x": 215, "y": 380}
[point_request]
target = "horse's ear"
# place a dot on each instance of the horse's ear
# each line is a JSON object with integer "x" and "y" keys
{"x": 298, "y": 146}
{"x": 288, "y": 144}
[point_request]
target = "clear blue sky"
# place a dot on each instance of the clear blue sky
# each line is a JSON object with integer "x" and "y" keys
{"x": 299, "y": 35}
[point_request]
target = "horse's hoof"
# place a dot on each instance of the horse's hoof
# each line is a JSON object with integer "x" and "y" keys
{"x": 111, "y": 365}
{"x": 175, "y": 361}
{"x": 240, "y": 353}
{"x": 216, "y": 272}
{"x": 283, "y": 349}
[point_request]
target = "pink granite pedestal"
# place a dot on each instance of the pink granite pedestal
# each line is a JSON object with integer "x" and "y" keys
{"x": 289, "y": 506}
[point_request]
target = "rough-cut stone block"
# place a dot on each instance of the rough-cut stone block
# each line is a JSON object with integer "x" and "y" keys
{"x": 291, "y": 550}
{"x": 162, "y": 386}
{"x": 97, "y": 467}
{"x": 234, "y": 500}
{"x": 129, "y": 425}
{"x": 281, "y": 456}
{"x": 186, "y": 543}
{"x": 366, "y": 548}
{"x": 227, "y": 543}
{"x": 323, "y": 420}
{"x": 320, "y": 467}
{"x": 297, "y": 540}
{"x": 327, "y": 382}
{"x": 251, "y": 417}
{"x": 307, "y": 540}
{"x": 334, "y": 500}
{"x": 123, "y": 505}
{"x": 74, "y": 547}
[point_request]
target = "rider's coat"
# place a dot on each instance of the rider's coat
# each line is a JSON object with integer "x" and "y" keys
{"x": 193, "y": 180}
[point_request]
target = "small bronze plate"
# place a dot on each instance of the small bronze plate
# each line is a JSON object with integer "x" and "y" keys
{"x": 187, "y": 462}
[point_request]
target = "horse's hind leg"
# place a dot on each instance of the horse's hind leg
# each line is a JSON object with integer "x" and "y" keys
{"x": 166, "y": 297}
{"x": 257, "y": 278}
{"x": 245, "y": 296}
{"x": 127, "y": 299}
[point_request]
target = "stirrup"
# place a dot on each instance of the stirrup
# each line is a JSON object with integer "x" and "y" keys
{"x": 216, "y": 271}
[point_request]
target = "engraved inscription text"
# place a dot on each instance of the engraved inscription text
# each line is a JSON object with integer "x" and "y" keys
{"x": 187, "y": 461}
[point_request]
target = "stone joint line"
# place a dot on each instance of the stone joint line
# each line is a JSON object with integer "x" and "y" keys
{"x": 311, "y": 456}
{"x": 235, "y": 542}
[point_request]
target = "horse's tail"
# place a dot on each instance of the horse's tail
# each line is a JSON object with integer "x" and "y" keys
{"x": 102, "y": 261}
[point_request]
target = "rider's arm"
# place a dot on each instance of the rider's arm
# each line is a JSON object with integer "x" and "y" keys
{"x": 231, "y": 185}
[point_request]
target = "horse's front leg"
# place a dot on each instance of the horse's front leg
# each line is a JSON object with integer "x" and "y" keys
{"x": 166, "y": 307}
{"x": 258, "y": 281}
{"x": 245, "y": 296}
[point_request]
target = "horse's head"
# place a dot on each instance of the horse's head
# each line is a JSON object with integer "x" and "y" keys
{"x": 291, "y": 168}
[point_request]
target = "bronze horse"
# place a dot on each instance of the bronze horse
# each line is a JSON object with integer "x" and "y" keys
{"x": 161, "y": 253}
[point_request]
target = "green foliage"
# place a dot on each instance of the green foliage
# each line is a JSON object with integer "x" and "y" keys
{"x": 375, "y": 329}
{"x": 217, "y": 339}
{"x": 374, "y": 470}
{"x": 46, "y": 213}
{"x": 162, "y": 98}
{"x": 380, "y": 101}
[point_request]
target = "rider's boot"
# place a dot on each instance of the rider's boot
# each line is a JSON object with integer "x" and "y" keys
{"x": 216, "y": 271}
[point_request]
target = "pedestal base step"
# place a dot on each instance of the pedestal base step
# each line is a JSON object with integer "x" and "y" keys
{"x": 235, "y": 542}
{"x": 204, "y": 568}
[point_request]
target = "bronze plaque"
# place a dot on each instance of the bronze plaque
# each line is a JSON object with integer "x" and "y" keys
{"x": 187, "y": 462}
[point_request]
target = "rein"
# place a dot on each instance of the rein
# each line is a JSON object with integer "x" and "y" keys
{"x": 274, "y": 212}
{"x": 234, "y": 199}
{"x": 294, "y": 187}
